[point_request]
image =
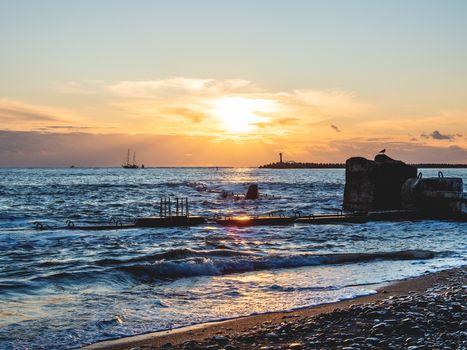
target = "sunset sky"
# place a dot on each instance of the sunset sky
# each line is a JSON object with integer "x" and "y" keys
{"x": 231, "y": 83}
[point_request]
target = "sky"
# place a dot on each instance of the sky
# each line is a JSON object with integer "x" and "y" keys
{"x": 231, "y": 83}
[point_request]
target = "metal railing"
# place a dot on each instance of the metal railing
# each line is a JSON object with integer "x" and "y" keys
{"x": 181, "y": 207}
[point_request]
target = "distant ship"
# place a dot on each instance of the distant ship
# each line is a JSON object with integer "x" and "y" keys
{"x": 129, "y": 165}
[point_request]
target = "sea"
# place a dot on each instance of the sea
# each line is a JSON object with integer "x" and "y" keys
{"x": 64, "y": 289}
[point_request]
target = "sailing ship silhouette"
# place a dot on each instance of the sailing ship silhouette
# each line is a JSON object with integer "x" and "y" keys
{"x": 129, "y": 165}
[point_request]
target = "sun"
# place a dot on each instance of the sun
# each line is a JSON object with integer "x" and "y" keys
{"x": 239, "y": 114}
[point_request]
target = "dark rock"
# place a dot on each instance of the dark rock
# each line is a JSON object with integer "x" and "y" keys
{"x": 375, "y": 185}
{"x": 252, "y": 192}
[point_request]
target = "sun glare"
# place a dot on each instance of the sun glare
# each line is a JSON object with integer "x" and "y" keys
{"x": 240, "y": 115}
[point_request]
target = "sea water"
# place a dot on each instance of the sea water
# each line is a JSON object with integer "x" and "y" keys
{"x": 64, "y": 289}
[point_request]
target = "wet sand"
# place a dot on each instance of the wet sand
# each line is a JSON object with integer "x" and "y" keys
{"x": 423, "y": 312}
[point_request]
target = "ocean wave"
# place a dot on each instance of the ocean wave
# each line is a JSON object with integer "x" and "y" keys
{"x": 175, "y": 254}
{"x": 179, "y": 263}
{"x": 222, "y": 265}
{"x": 198, "y": 186}
{"x": 288, "y": 289}
{"x": 11, "y": 285}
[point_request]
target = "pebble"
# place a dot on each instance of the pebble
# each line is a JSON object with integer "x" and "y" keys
{"x": 220, "y": 339}
{"x": 272, "y": 335}
{"x": 230, "y": 347}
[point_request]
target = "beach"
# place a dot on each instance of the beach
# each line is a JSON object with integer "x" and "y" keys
{"x": 426, "y": 312}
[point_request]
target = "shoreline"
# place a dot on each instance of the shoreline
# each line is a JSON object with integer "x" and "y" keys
{"x": 238, "y": 327}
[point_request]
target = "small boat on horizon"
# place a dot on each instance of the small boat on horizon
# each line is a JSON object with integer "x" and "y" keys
{"x": 129, "y": 165}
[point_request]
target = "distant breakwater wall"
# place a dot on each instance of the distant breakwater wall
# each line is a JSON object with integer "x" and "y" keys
{"x": 298, "y": 165}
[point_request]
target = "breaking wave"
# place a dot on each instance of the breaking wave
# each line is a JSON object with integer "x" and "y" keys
{"x": 212, "y": 263}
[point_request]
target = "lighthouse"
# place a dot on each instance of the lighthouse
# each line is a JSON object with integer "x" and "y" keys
{"x": 280, "y": 158}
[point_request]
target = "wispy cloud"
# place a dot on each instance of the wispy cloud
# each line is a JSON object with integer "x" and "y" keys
{"x": 18, "y": 115}
{"x": 63, "y": 128}
{"x": 190, "y": 114}
{"x": 198, "y": 101}
{"x": 83, "y": 87}
{"x": 156, "y": 88}
{"x": 333, "y": 102}
{"x": 18, "y": 111}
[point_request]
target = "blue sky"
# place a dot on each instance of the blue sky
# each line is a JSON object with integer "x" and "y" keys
{"x": 283, "y": 44}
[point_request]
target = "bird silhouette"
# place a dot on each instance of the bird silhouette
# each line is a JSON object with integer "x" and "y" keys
{"x": 383, "y": 151}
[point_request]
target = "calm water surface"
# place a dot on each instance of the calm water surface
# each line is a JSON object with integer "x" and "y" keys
{"x": 63, "y": 289}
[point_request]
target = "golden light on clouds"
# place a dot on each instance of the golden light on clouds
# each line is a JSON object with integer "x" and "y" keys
{"x": 240, "y": 114}
{"x": 233, "y": 119}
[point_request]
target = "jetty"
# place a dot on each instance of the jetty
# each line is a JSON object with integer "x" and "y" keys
{"x": 382, "y": 189}
{"x": 291, "y": 164}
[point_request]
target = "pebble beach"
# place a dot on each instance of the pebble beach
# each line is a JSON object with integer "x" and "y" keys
{"x": 427, "y": 312}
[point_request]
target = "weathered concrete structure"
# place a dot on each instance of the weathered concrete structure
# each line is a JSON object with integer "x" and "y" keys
{"x": 381, "y": 190}
{"x": 375, "y": 185}
{"x": 441, "y": 195}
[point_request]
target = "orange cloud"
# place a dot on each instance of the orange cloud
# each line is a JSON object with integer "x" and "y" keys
{"x": 87, "y": 149}
{"x": 14, "y": 111}
{"x": 148, "y": 103}
{"x": 208, "y": 118}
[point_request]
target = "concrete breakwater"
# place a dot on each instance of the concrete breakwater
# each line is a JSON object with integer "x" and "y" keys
{"x": 381, "y": 190}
